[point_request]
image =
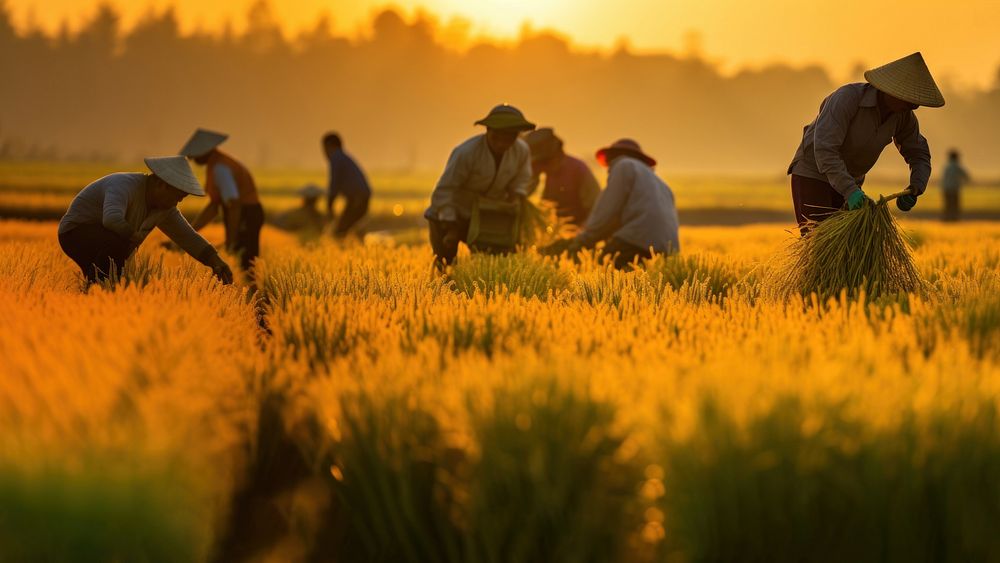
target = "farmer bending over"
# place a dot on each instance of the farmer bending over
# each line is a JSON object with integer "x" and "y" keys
{"x": 346, "y": 179}
{"x": 495, "y": 165}
{"x": 569, "y": 183}
{"x": 111, "y": 217}
{"x": 635, "y": 214}
{"x": 853, "y": 126}
{"x": 229, "y": 185}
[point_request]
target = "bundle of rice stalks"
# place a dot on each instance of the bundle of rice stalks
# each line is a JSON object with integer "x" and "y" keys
{"x": 863, "y": 250}
{"x": 540, "y": 225}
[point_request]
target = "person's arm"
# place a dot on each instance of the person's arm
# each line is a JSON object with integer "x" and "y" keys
{"x": 536, "y": 179}
{"x": 829, "y": 133}
{"x": 177, "y": 229}
{"x": 590, "y": 190}
{"x": 913, "y": 146}
{"x": 455, "y": 175}
{"x": 521, "y": 185}
{"x": 206, "y": 216}
{"x": 966, "y": 179}
{"x": 606, "y": 214}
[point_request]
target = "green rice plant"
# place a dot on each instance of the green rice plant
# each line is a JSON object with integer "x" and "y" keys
{"x": 524, "y": 274}
{"x": 393, "y": 482}
{"x": 714, "y": 276}
{"x": 862, "y": 251}
{"x": 139, "y": 270}
{"x": 550, "y": 483}
{"x": 815, "y": 482}
{"x": 100, "y": 511}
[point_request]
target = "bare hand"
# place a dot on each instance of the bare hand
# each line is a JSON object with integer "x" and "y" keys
{"x": 222, "y": 272}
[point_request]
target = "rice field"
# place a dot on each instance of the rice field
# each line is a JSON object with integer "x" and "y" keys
{"x": 359, "y": 406}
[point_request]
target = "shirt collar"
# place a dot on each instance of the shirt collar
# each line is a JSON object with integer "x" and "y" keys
{"x": 870, "y": 97}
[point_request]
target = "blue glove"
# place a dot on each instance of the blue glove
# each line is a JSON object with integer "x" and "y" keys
{"x": 906, "y": 202}
{"x": 856, "y": 200}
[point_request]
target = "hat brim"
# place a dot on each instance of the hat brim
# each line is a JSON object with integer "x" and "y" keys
{"x": 507, "y": 122}
{"x": 607, "y": 154}
{"x": 926, "y": 95}
{"x": 202, "y": 142}
{"x": 175, "y": 176}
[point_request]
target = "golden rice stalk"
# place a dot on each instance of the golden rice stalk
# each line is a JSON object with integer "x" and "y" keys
{"x": 861, "y": 251}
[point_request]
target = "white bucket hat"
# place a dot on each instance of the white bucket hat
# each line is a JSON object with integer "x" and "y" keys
{"x": 908, "y": 79}
{"x": 201, "y": 142}
{"x": 176, "y": 171}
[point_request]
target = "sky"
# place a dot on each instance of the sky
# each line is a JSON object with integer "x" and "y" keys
{"x": 958, "y": 39}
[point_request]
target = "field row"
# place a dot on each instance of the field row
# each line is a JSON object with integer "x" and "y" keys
{"x": 361, "y": 407}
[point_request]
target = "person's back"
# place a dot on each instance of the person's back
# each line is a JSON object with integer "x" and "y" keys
{"x": 88, "y": 205}
{"x": 649, "y": 216}
{"x": 572, "y": 188}
{"x": 346, "y": 176}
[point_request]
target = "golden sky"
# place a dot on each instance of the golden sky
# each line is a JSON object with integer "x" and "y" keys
{"x": 959, "y": 39}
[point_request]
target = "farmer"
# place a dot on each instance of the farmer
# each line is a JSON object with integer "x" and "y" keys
{"x": 347, "y": 179}
{"x": 306, "y": 218}
{"x": 228, "y": 184}
{"x": 569, "y": 183}
{"x": 495, "y": 165}
{"x": 952, "y": 179}
{"x": 112, "y": 216}
{"x": 853, "y": 126}
{"x": 635, "y": 214}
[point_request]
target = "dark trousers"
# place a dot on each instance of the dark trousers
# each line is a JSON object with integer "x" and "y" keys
{"x": 444, "y": 252}
{"x": 813, "y": 200}
{"x": 247, "y": 244}
{"x": 96, "y": 250}
{"x": 952, "y": 206}
{"x": 624, "y": 254}
{"x": 355, "y": 208}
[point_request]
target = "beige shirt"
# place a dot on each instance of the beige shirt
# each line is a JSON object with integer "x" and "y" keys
{"x": 845, "y": 140}
{"x": 636, "y": 207}
{"x": 471, "y": 172}
{"x": 118, "y": 202}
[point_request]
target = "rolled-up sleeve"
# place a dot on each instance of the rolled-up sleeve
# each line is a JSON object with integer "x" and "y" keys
{"x": 606, "y": 214}
{"x": 917, "y": 154}
{"x": 113, "y": 214}
{"x": 455, "y": 175}
{"x": 176, "y": 227}
{"x": 829, "y": 133}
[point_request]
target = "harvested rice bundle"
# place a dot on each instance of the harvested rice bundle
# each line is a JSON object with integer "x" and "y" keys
{"x": 863, "y": 250}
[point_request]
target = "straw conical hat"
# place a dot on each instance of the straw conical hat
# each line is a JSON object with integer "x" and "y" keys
{"x": 201, "y": 142}
{"x": 175, "y": 171}
{"x": 907, "y": 79}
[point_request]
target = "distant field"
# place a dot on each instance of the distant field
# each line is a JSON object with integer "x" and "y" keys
{"x": 44, "y": 190}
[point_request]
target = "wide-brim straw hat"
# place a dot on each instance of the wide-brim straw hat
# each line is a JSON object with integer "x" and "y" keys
{"x": 508, "y": 117}
{"x": 311, "y": 191}
{"x": 908, "y": 79}
{"x": 626, "y": 147}
{"x": 201, "y": 142}
{"x": 544, "y": 143}
{"x": 175, "y": 171}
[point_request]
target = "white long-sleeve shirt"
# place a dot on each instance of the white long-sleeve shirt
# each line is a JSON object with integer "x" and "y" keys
{"x": 118, "y": 203}
{"x": 636, "y": 207}
{"x": 471, "y": 172}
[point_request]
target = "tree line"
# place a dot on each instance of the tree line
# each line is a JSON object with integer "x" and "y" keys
{"x": 402, "y": 96}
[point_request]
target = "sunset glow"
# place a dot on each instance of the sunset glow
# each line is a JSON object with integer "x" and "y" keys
{"x": 959, "y": 39}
